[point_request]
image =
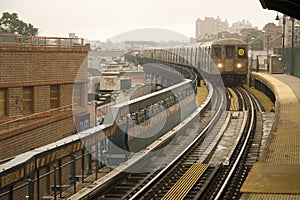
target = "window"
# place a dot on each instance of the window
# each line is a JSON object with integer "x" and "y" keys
{"x": 53, "y": 96}
{"x": 27, "y": 100}
{"x": 217, "y": 52}
{"x": 229, "y": 52}
{"x": 78, "y": 94}
{"x": 2, "y": 102}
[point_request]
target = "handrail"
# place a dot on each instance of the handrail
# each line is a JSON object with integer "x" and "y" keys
{"x": 13, "y": 40}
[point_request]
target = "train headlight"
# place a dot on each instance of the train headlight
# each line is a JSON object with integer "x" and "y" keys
{"x": 239, "y": 65}
{"x": 220, "y": 65}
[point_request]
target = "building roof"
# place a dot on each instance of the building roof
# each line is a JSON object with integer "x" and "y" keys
{"x": 231, "y": 41}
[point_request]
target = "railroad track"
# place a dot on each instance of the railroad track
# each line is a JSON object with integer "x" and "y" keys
{"x": 201, "y": 180}
{"x": 176, "y": 149}
{"x": 190, "y": 168}
{"x": 163, "y": 157}
{"x": 231, "y": 177}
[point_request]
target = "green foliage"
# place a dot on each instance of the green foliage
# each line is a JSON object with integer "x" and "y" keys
{"x": 254, "y": 38}
{"x": 10, "y": 23}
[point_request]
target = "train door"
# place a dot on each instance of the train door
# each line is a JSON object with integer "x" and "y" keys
{"x": 229, "y": 58}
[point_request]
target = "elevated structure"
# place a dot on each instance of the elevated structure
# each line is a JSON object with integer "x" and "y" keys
{"x": 288, "y": 7}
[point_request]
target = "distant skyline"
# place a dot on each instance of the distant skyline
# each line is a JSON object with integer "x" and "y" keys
{"x": 103, "y": 19}
{"x": 150, "y": 34}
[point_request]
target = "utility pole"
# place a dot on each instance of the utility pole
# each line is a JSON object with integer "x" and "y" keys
{"x": 293, "y": 31}
{"x": 293, "y": 53}
{"x": 283, "y": 28}
{"x": 268, "y": 57}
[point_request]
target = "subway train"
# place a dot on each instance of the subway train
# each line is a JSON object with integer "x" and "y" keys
{"x": 225, "y": 57}
{"x": 231, "y": 59}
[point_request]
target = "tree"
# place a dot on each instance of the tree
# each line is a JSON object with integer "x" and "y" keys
{"x": 253, "y": 37}
{"x": 10, "y": 23}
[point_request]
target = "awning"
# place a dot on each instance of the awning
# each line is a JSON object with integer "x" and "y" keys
{"x": 288, "y": 7}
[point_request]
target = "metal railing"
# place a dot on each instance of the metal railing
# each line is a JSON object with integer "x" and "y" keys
{"x": 60, "y": 179}
{"x": 13, "y": 40}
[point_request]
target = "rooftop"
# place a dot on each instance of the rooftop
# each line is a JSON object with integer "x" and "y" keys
{"x": 8, "y": 41}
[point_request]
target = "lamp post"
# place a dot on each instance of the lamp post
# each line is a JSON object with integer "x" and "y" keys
{"x": 283, "y": 28}
{"x": 293, "y": 31}
{"x": 268, "y": 57}
{"x": 297, "y": 35}
{"x": 267, "y": 35}
{"x": 284, "y": 18}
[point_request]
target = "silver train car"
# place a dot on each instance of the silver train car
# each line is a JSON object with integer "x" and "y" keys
{"x": 225, "y": 57}
{"x": 231, "y": 59}
{"x": 139, "y": 122}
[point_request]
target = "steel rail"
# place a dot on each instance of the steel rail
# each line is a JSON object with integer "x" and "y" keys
{"x": 163, "y": 171}
{"x": 241, "y": 152}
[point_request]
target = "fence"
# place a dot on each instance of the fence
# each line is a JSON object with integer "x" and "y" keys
{"x": 55, "y": 180}
{"x": 291, "y": 60}
{"x": 12, "y": 40}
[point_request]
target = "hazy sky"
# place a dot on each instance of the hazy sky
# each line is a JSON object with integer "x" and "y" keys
{"x": 103, "y": 19}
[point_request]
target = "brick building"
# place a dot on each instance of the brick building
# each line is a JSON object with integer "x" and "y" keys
{"x": 210, "y": 27}
{"x": 37, "y": 80}
{"x": 273, "y": 36}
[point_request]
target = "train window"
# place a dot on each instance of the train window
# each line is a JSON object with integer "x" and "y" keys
{"x": 78, "y": 99}
{"x": 242, "y": 52}
{"x": 229, "y": 52}
{"x": 217, "y": 52}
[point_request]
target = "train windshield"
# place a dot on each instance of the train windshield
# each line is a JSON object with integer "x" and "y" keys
{"x": 229, "y": 52}
{"x": 217, "y": 52}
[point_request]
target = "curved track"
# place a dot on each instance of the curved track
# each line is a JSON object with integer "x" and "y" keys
{"x": 192, "y": 176}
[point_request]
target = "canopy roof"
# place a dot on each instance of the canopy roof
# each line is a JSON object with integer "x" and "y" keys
{"x": 288, "y": 7}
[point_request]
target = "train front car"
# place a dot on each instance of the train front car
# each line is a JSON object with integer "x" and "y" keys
{"x": 231, "y": 59}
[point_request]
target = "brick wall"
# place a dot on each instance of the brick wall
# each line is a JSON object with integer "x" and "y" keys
{"x": 15, "y": 97}
{"x": 65, "y": 93}
{"x": 31, "y": 67}
{"x": 41, "y": 95}
{"x": 39, "y": 68}
{"x": 37, "y": 137}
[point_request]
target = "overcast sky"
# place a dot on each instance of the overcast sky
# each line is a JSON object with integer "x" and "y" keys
{"x": 103, "y": 19}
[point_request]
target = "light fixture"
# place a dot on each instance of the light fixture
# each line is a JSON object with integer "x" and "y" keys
{"x": 220, "y": 65}
{"x": 239, "y": 65}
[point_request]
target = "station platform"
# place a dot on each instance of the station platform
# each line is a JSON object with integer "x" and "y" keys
{"x": 277, "y": 173}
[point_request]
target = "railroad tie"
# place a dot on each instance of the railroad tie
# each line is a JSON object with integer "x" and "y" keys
{"x": 182, "y": 187}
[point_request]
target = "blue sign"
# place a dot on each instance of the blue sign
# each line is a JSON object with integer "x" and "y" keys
{"x": 83, "y": 122}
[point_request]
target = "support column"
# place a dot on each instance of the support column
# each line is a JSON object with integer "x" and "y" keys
{"x": 73, "y": 170}
{"x": 31, "y": 186}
